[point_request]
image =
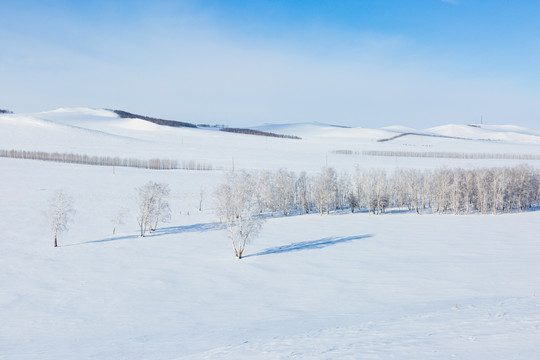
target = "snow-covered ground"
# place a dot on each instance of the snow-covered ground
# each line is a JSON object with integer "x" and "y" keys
{"x": 343, "y": 286}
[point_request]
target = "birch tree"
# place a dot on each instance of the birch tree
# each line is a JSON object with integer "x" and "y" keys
{"x": 325, "y": 190}
{"x": 60, "y": 213}
{"x": 153, "y": 206}
{"x": 381, "y": 199}
{"x": 266, "y": 193}
{"x": 237, "y": 206}
{"x": 285, "y": 185}
{"x": 303, "y": 186}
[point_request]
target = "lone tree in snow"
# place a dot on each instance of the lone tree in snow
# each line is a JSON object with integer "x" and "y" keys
{"x": 60, "y": 213}
{"x": 153, "y": 206}
{"x": 237, "y": 206}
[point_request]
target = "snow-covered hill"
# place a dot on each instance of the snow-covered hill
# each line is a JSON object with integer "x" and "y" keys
{"x": 341, "y": 286}
{"x": 101, "y": 132}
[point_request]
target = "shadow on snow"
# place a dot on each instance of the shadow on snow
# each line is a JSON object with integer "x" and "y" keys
{"x": 309, "y": 245}
{"x": 186, "y": 228}
{"x": 159, "y": 232}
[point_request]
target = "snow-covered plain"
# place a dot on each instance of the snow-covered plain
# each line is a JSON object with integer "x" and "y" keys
{"x": 342, "y": 286}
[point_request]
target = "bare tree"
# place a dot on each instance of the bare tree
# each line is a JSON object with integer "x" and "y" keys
{"x": 381, "y": 199}
{"x": 60, "y": 213}
{"x": 482, "y": 184}
{"x": 153, "y": 206}
{"x": 457, "y": 191}
{"x": 324, "y": 190}
{"x": 400, "y": 191}
{"x": 266, "y": 193}
{"x": 237, "y": 206}
{"x": 444, "y": 190}
{"x": 303, "y": 188}
{"x": 442, "y": 181}
{"x": 343, "y": 191}
{"x": 285, "y": 184}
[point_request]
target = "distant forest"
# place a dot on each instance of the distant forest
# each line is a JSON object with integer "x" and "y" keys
{"x": 259, "y": 133}
{"x": 3, "y": 111}
{"x": 173, "y": 123}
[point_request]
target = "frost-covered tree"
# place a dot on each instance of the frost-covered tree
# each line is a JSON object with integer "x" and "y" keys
{"x": 457, "y": 191}
{"x": 344, "y": 192}
{"x": 470, "y": 194}
{"x": 60, "y": 213}
{"x": 324, "y": 190}
{"x": 527, "y": 184}
{"x": 353, "y": 196}
{"x": 442, "y": 180}
{"x": 153, "y": 206}
{"x": 400, "y": 190}
{"x": 303, "y": 189}
{"x": 266, "y": 193}
{"x": 285, "y": 186}
{"x": 237, "y": 206}
{"x": 483, "y": 180}
{"x": 497, "y": 191}
{"x": 381, "y": 199}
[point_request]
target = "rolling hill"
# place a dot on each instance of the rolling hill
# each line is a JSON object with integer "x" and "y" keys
{"x": 339, "y": 286}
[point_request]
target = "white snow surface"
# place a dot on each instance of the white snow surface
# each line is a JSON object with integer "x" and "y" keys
{"x": 341, "y": 286}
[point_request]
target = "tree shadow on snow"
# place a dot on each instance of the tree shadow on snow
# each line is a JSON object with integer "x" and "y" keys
{"x": 172, "y": 230}
{"x": 309, "y": 245}
{"x": 160, "y": 232}
{"x": 118, "y": 238}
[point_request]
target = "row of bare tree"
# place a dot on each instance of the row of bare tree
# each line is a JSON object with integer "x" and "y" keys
{"x": 444, "y": 190}
{"x": 242, "y": 198}
{"x": 152, "y": 209}
{"x": 153, "y": 164}
{"x": 440, "y": 154}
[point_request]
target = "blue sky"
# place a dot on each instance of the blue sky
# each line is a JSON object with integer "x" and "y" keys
{"x": 366, "y": 63}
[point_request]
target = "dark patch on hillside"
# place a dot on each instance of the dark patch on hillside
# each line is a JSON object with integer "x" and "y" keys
{"x": 173, "y": 123}
{"x": 429, "y": 135}
{"x": 3, "y": 111}
{"x": 259, "y": 133}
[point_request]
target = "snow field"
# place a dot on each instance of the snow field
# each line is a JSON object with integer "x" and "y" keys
{"x": 343, "y": 286}
{"x": 338, "y": 286}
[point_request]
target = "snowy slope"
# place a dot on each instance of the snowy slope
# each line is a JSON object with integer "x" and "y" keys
{"x": 101, "y": 132}
{"x": 343, "y": 286}
{"x": 481, "y": 132}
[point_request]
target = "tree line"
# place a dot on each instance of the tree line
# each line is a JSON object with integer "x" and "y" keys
{"x": 440, "y": 154}
{"x": 442, "y": 191}
{"x": 173, "y": 123}
{"x": 259, "y": 133}
{"x": 153, "y": 164}
{"x": 243, "y": 200}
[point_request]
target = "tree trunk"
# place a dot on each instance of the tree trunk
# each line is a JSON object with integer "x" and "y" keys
{"x": 55, "y": 243}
